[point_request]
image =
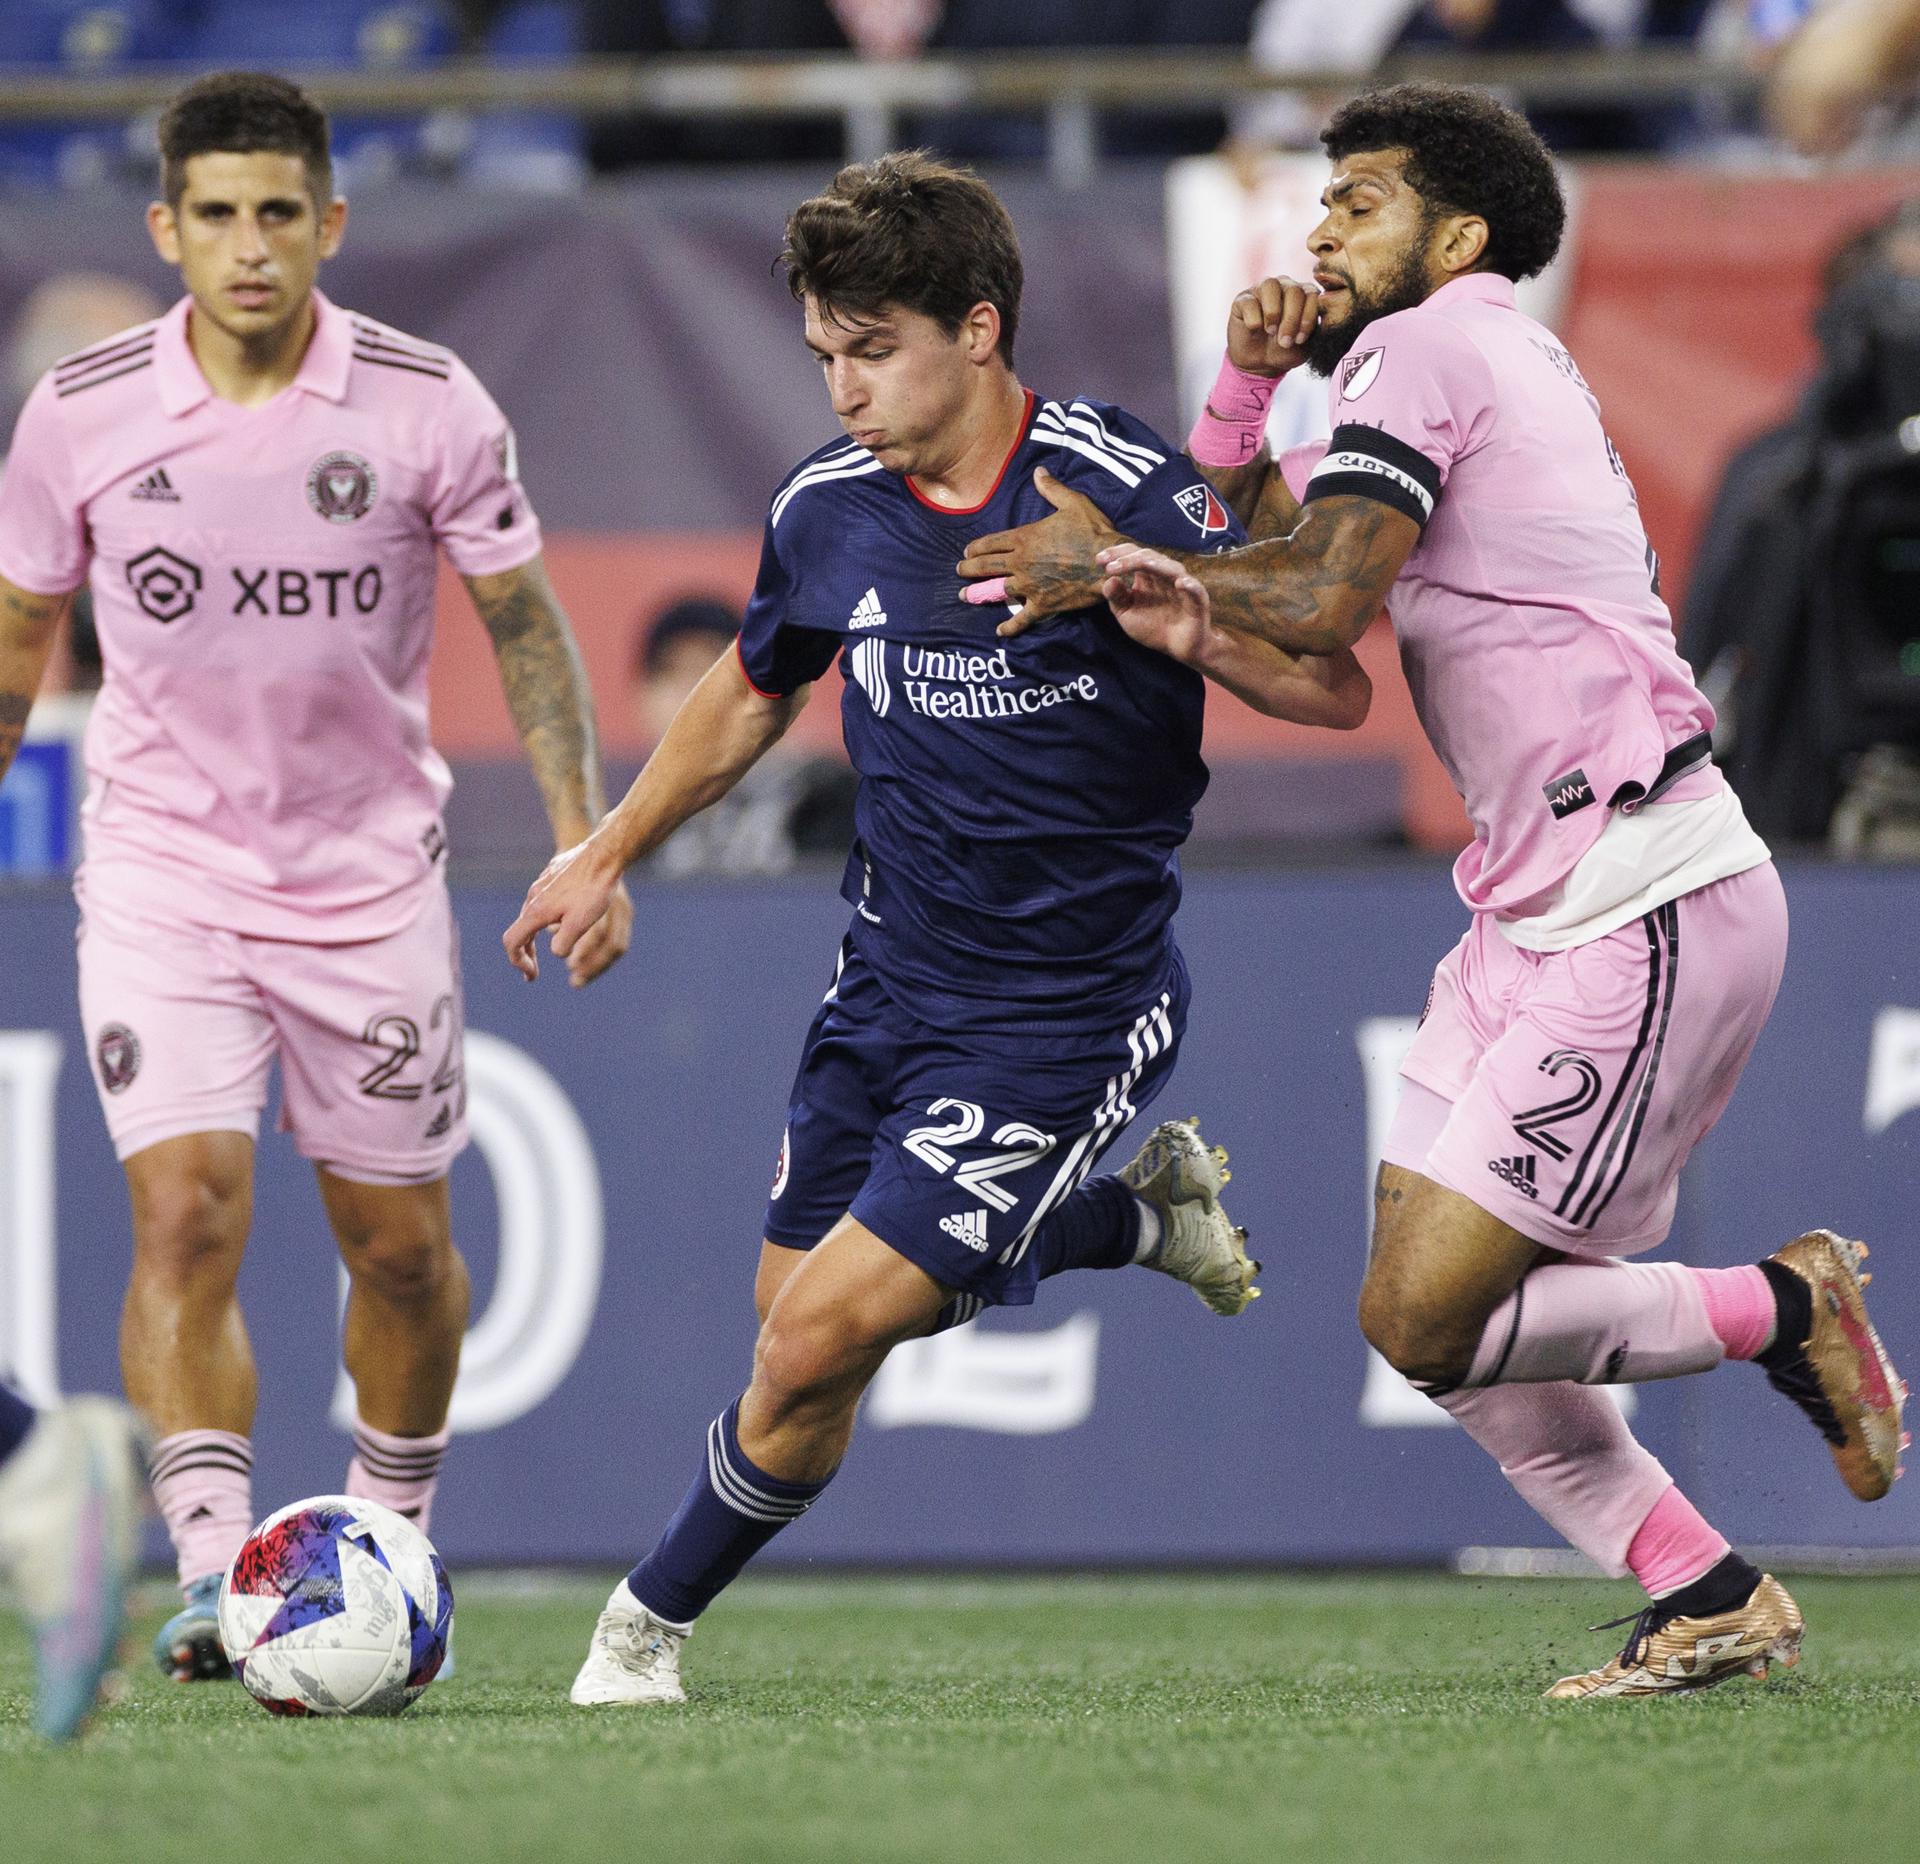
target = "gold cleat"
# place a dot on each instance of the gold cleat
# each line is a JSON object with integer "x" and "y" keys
{"x": 1180, "y": 1176}
{"x": 1842, "y": 1377}
{"x": 1665, "y": 1656}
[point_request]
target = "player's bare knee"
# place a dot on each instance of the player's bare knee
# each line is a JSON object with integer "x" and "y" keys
{"x": 407, "y": 1264}
{"x": 804, "y": 1360}
{"x": 1415, "y": 1341}
{"x": 190, "y": 1230}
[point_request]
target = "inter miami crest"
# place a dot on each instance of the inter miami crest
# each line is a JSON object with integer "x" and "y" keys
{"x": 118, "y": 1053}
{"x": 1198, "y": 503}
{"x": 1357, "y": 373}
{"x": 341, "y": 487}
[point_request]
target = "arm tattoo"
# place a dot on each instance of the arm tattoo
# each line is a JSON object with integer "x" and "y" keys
{"x": 1315, "y": 590}
{"x": 547, "y": 693}
{"x": 26, "y": 635}
{"x": 1240, "y": 487}
{"x": 1256, "y": 493}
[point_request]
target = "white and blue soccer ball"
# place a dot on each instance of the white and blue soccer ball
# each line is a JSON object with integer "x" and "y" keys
{"x": 336, "y": 1606}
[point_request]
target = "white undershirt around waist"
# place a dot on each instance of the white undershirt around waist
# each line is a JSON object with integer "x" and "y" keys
{"x": 1644, "y": 858}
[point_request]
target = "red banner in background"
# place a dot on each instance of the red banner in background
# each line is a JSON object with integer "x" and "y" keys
{"x": 1690, "y": 315}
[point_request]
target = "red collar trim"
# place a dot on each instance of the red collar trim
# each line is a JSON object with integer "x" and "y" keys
{"x": 968, "y": 511}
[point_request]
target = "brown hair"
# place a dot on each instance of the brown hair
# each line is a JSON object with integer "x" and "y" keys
{"x": 238, "y": 113}
{"x": 907, "y": 230}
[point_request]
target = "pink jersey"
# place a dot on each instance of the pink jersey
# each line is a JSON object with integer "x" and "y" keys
{"x": 1540, "y": 658}
{"x": 263, "y": 584}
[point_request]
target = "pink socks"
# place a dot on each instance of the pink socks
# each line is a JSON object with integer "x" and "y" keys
{"x": 1611, "y": 1322}
{"x": 203, "y": 1484}
{"x": 1569, "y": 1453}
{"x": 1674, "y": 1547}
{"x": 400, "y": 1472}
{"x": 1740, "y": 1309}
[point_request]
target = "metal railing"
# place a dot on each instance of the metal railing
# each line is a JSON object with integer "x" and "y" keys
{"x": 1067, "y": 89}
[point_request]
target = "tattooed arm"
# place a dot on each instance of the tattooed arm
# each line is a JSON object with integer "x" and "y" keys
{"x": 27, "y": 623}
{"x": 552, "y": 707}
{"x": 1317, "y": 589}
{"x": 1311, "y": 591}
{"x": 1256, "y": 494}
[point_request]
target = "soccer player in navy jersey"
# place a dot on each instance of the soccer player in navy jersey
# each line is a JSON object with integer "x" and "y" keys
{"x": 1009, "y": 992}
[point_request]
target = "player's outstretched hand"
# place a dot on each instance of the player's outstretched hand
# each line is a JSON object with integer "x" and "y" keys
{"x": 606, "y": 940}
{"x": 1156, "y": 600}
{"x": 574, "y": 893}
{"x": 1050, "y": 566}
{"x": 1268, "y": 326}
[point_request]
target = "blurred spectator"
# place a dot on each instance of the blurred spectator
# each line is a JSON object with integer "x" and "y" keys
{"x": 661, "y": 28}
{"x": 1306, "y": 35}
{"x": 1844, "y": 60}
{"x": 1804, "y": 612}
{"x": 787, "y": 805}
{"x": 1511, "y": 26}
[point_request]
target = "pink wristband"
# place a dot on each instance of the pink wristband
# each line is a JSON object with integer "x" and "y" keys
{"x": 1233, "y": 424}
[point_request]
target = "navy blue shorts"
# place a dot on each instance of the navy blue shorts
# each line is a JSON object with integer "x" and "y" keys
{"x": 950, "y": 1154}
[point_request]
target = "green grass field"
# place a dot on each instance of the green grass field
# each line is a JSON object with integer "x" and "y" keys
{"x": 1114, "y": 1719}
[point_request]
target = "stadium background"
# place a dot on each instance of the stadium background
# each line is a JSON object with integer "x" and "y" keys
{"x": 651, "y": 363}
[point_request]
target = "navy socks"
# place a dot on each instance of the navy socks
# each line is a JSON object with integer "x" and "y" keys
{"x": 730, "y": 1513}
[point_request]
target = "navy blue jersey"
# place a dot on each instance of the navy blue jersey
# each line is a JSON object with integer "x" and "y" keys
{"x": 1021, "y": 802}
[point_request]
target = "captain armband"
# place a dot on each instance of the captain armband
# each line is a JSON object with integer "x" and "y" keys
{"x": 1365, "y": 462}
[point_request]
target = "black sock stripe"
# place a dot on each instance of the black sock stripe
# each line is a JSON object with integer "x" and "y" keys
{"x": 398, "y": 1472}
{"x": 1671, "y": 917}
{"x": 1626, "y": 1072}
{"x": 232, "y": 1465}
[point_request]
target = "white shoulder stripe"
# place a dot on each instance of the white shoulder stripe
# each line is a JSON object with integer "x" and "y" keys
{"x": 825, "y": 470}
{"x": 1046, "y": 435}
{"x": 1084, "y": 418}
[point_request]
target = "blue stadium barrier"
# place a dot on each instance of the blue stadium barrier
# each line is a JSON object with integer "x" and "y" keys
{"x": 626, "y": 1136}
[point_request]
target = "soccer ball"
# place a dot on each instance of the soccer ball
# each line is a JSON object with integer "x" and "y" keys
{"x": 336, "y": 1606}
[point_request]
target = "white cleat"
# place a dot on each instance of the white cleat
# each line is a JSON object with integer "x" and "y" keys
{"x": 70, "y": 1504}
{"x": 634, "y": 1656}
{"x": 1179, "y": 1176}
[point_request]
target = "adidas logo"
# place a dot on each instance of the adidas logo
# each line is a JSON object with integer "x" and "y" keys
{"x": 969, "y": 1227}
{"x": 157, "y": 488}
{"x": 1518, "y": 1172}
{"x": 867, "y": 612}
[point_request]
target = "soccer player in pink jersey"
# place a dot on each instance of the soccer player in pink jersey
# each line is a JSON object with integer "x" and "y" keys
{"x": 1628, "y": 929}
{"x": 257, "y": 485}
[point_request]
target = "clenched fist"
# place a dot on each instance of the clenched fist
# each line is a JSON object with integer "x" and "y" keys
{"x": 1268, "y": 327}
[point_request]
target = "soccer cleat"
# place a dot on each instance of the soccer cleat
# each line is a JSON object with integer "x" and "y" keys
{"x": 188, "y": 1648}
{"x": 1179, "y": 1176}
{"x": 1667, "y": 1654}
{"x": 634, "y": 1656}
{"x": 1841, "y": 1377}
{"x": 70, "y": 1502}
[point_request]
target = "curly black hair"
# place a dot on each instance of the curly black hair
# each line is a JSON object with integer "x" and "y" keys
{"x": 1467, "y": 153}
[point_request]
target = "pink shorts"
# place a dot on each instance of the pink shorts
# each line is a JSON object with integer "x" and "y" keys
{"x": 184, "y": 1021}
{"x": 1562, "y": 1091}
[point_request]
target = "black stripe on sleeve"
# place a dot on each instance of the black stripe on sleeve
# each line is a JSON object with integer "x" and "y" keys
{"x": 394, "y": 362}
{"x": 1365, "y": 462}
{"x": 76, "y": 366}
{"x": 95, "y": 381}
